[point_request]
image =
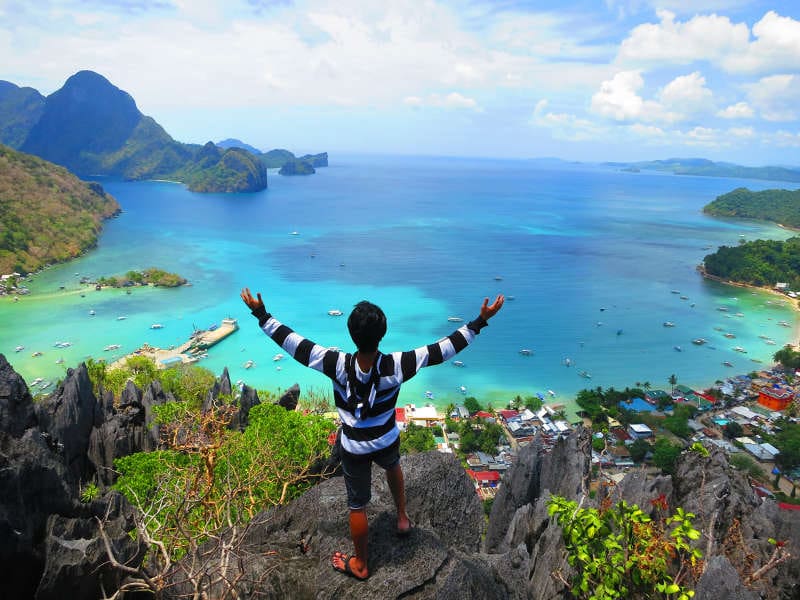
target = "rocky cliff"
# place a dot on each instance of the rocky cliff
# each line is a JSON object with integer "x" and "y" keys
{"x": 49, "y": 542}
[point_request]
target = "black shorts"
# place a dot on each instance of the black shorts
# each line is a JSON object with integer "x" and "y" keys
{"x": 358, "y": 472}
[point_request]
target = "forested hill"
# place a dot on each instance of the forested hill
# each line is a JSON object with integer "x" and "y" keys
{"x": 46, "y": 213}
{"x": 761, "y": 262}
{"x": 92, "y": 127}
{"x": 779, "y": 206}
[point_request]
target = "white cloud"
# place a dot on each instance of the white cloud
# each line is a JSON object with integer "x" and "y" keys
{"x": 777, "y": 98}
{"x": 785, "y": 139}
{"x": 776, "y": 47}
{"x": 686, "y": 94}
{"x": 742, "y": 132}
{"x": 740, "y": 110}
{"x": 618, "y": 99}
{"x": 451, "y": 100}
{"x": 565, "y": 126}
{"x": 703, "y": 37}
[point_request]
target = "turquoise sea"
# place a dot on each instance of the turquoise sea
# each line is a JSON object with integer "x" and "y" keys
{"x": 590, "y": 255}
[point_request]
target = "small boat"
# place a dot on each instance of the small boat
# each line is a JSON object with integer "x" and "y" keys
{"x": 498, "y": 278}
{"x": 156, "y": 326}
{"x": 458, "y": 363}
{"x": 112, "y": 347}
{"x": 429, "y": 394}
{"x": 699, "y": 341}
{"x": 91, "y": 313}
{"x": 62, "y": 345}
{"x": 294, "y": 233}
{"x": 668, "y": 324}
{"x": 526, "y": 352}
{"x": 551, "y": 392}
{"x": 783, "y": 324}
{"x": 121, "y": 318}
{"x": 585, "y": 374}
{"x": 756, "y": 360}
{"x": 45, "y": 385}
{"x": 727, "y": 363}
{"x": 463, "y": 389}
{"x": 455, "y": 319}
{"x": 684, "y": 297}
{"x": 602, "y": 308}
{"x": 567, "y": 362}
{"x": 770, "y": 342}
{"x": 692, "y": 305}
{"x": 509, "y": 297}
{"x": 36, "y": 382}
{"x": 35, "y": 354}
{"x": 335, "y": 312}
{"x": 619, "y": 331}
{"x": 675, "y": 292}
{"x": 678, "y": 348}
{"x": 738, "y": 315}
{"x": 740, "y": 349}
{"x": 212, "y": 327}
{"x": 599, "y": 324}
{"x": 718, "y": 329}
{"x": 722, "y": 308}
{"x": 278, "y": 357}
{"x": 19, "y": 348}
{"x": 730, "y": 336}
{"x": 60, "y": 361}
{"x": 249, "y": 364}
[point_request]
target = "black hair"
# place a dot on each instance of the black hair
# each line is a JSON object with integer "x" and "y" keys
{"x": 367, "y": 326}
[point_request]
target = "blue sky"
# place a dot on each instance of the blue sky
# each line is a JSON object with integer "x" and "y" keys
{"x": 581, "y": 80}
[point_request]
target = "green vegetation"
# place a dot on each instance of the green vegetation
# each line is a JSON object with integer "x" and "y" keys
{"x": 678, "y": 421}
{"x": 46, "y": 214}
{"x": 639, "y": 449}
{"x": 786, "y": 438}
{"x": 416, "y": 439}
{"x": 665, "y": 454}
{"x": 745, "y": 463}
{"x": 297, "y": 167}
{"x": 760, "y": 263}
{"x": 275, "y": 159}
{"x": 483, "y": 437}
{"x": 618, "y": 551}
{"x": 89, "y": 493}
{"x": 210, "y": 477}
{"x": 20, "y": 109}
{"x": 151, "y": 276}
{"x": 779, "y": 206}
{"x": 93, "y": 127}
{"x": 601, "y": 404}
{"x": 789, "y": 358}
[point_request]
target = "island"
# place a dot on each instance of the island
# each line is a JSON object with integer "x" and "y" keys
{"x": 152, "y": 276}
{"x": 761, "y": 263}
{"x": 777, "y": 206}
{"x": 280, "y": 158}
{"x": 92, "y": 127}
{"x": 708, "y": 168}
{"x": 47, "y": 214}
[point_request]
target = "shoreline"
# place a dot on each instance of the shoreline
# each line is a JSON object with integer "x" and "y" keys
{"x": 795, "y": 306}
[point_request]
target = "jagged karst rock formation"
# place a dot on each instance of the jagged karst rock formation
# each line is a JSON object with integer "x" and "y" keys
{"x": 49, "y": 542}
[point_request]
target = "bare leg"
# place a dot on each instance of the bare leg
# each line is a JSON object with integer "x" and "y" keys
{"x": 359, "y": 528}
{"x": 394, "y": 477}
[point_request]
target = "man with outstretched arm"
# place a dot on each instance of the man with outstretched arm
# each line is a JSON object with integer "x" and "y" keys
{"x": 366, "y": 385}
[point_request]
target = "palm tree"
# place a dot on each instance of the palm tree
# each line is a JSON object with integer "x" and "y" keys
{"x": 673, "y": 379}
{"x": 646, "y": 385}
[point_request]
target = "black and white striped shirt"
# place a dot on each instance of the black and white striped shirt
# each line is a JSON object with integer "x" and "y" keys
{"x": 370, "y": 425}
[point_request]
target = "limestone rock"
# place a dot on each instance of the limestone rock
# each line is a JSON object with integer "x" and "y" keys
{"x": 16, "y": 403}
{"x": 290, "y": 398}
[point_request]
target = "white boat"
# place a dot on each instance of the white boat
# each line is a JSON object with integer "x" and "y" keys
{"x": 335, "y": 312}
{"x": 526, "y": 352}
{"x": 60, "y": 361}
{"x": 684, "y": 297}
{"x": 770, "y": 342}
{"x": 727, "y": 363}
{"x": 62, "y": 345}
{"x": 463, "y": 389}
{"x": 112, "y": 347}
{"x": 36, "y": 381}
{"x": 699, "y": 341}
{"x": 738, "y": 315}
{"x": 675, "y": 291}
{"x": 45, "y": 385}
{"x": 783, "y": 324}
{"x": 249, "y": 364}
{"x": 36, "y": 354}
{"x": 739, "y": 349}
{"x": 551, "y": 392}
{"x": 722, "y": 309}
{"x": 294, "y": 233}
{"x": 585, "y": 374}
{"x": 455, "y": 319}
{"x": 730, "y": 336}
{"x": 458, "y": 363}
{"x": 668, "y": 324}
{"x": 156, "y": 326}
{"x": 678, "y": 348}
{"x": 567, "y": 362}
{"x": 19, "y": 348}
{"x": 277, "y": 357}
{"x": 91, "y": 313}
{"x": 429, "y": 395}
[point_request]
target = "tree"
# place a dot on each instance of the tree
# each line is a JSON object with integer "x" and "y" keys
{"x": 416, "y": 439}
{"x": 472, "y": 405}
{"x": 788, "y": 357}
{"x": 639, "y": 449}
{"x": 732, "y": 430}
{"x": 673, "y": 380}
{"x": 665, "y": 454}
{"x": 533, "y": 403}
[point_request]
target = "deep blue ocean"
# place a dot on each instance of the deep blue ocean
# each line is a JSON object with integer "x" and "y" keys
{"x": 593, "y": 262}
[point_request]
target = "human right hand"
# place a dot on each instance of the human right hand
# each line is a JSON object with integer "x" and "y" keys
{"x": 252, "y": 303}
{"x": 490, "y": 310}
